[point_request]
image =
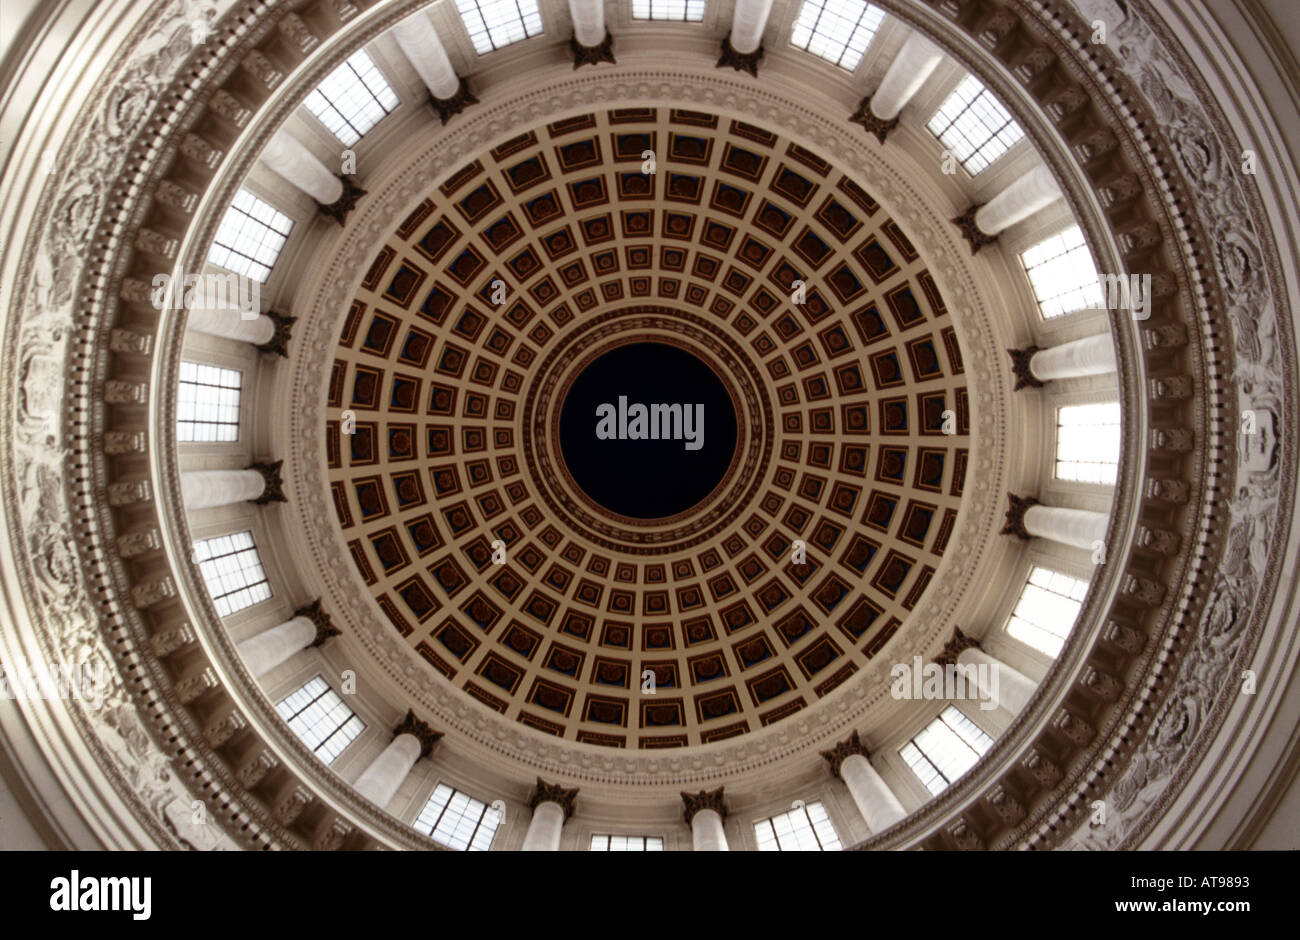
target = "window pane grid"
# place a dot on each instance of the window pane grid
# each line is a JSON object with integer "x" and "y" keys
{"x": 613, "y": 843}
{"x": 804, "y": 829}
{"x": 686, "y": 11}
{"x": 492, "y": 24}
{"x": 837, "y": 30}
{"x": 232, "y": 570}
{"x": 1062, "y": 274}
{"x": 320, "y": 719}
{"x": 458, "y": 820}
{"x": 1087, "y": 442}
{"x": 352, "y": 99}
{"x": 974, "y": 125}
{"x": 250, "y": 237}
{"x": 945, "y": 749}
{"x": 207, "y": 406}
{"x": 1047, "y": 609}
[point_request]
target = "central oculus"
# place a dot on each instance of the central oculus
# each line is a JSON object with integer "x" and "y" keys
{"x": 647, "y": 430}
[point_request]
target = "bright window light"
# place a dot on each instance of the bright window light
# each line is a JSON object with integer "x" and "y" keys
{"x": 1047, "y": 609}
{"x": 458, "y": 820}
{"x": 945, "y": 749}
{"x": 608, "y": 843}
{"x": 321, "y": 719}
{"x": 807, "y": 829}
{"x": 837, "y": 30}
{"x": 686, "y": 11}
{"x": 233, "y": 572}
{"x": 974, "y": 125}
{"x": 492, "y": 24}
{"x": 1062, "y": 274}
{"x": 207, "y": 407}
{"x": 1087, "y": 442}
{"x": 250, "y": 237}
{"x": 352, "y": 99}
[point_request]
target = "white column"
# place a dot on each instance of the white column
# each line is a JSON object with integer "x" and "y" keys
{"x": 747, "y": 25}
{"x": 588, "y": 21}
{"x": 291, "y": 159}
{"x": 875, "y": 801}
{"x": 544, "y": 829}
{"x": 1092, "y": 355}
{"x": 707, "y": 832}
{"x": 1013, "y": 689}
{"x": 226, "y": 319}
{"x": 1020, "y": 200}
{"x": 380, "y": 780}
{"x": 202, "y": 489}
{"x": 419, "y": 41}
{"x": 1081, "y": 528}
{"x": 268, "y": 649}
{"x": 907, "y": 73}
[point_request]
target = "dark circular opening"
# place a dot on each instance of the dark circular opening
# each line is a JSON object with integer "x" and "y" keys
{"x": 631, "y": 433}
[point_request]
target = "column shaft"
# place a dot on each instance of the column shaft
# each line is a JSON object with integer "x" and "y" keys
{"x": 203, "y": 489}
{"x": 228, "y": 321}
{"x": 379, "y": 782}
{"x": 1012, "y": 690}
{"x": 588, "y": 21}
{"x": 875, "y": 801}
{"x": 1081, "y": 528}
{"x": 545, "y": 827}
{"x": 707, "y": 832}
{"x": 270, "y": 648}
{"x": 1020, "y": 200}
{"x": 419, "y": 41}
{"x": 907, "y": 73}
{"x": 1092, "y": 355}
{"x": 747, "y": 25}
{"x": 291, "y": 159}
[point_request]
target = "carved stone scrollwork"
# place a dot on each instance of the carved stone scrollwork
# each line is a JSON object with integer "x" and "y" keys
{"x": 954, "y": 647}
{"x": 553, "y": 793}
{"x": 865, "y": 117}
{"x": 1074, "y": 728}
{"x": 290, "y": 806}
{"x": 972, "y": 232}
{"x": 836, "y": 755}
{"x": 338, "y": 209}
{"x": 273, "y": 486}
{"x": 314, "y": 613}
{"x": 448, "y": 107}
{"x": 278, "y": 344}
{"x": 1015, "y": 524}
{"x": 1043, "y": 769}
{"x": 966, "y": 837}
{"x": 1010, "y": 809}
{"x": 705, "y": 799}
{"x": 224, "y": 728}
{"x": 1020, "y": 365}
{"x": 741, "y": 62}
{"x": 592, "y": 55}
{"x": 332, "y": 835}
{"x": 421, "y": 732}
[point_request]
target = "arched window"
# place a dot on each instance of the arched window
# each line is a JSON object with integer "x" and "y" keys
{"x": 352, "y": 99}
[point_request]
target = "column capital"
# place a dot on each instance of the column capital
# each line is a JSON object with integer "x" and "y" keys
{"x": 837, "y": 755}
{"x": 447, "y": 107}
{"x": 705, "y": 799}
{"x": 954, "y": 647}
{"x": 592, "y": 55}
{"x": 553, "y": 793}
{"x": 1020, "y": 365}
{"x": 419, "y": 730}
{"x": 1015, "y": 524}
{"x": 338, "y": 209}
{"x": 278, "y": 344}
{"x": 972, "y": 232}
{"x": 740, "y": 61}
{"x": 870, "y": 123}
{"x": 273, "y": 488}
{"x": 324, "y": 628}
